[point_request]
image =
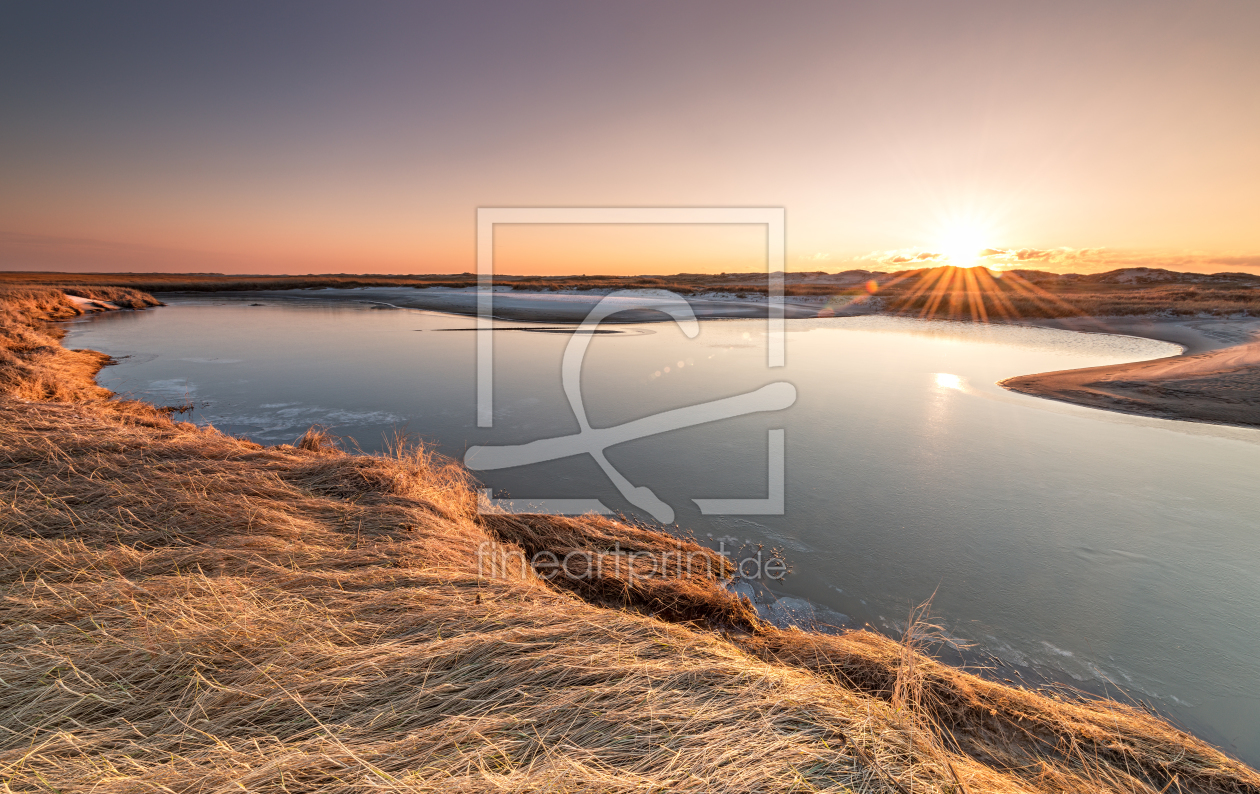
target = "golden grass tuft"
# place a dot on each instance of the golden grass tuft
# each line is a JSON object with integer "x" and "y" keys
{"x": 1050, "y": 743}
{"x": 185, "y": 611}
{"x": 616, "y": 564}
{"x": 33, "y": 364}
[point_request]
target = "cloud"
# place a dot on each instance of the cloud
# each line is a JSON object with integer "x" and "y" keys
{"x": 913, "y": 259}
{"x": 1027, "y": 254}
{"x": 1070, "y": 260}
{"x": 1025, "y": 257}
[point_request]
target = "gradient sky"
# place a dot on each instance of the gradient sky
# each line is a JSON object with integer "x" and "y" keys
{"x": 360, "y": 137}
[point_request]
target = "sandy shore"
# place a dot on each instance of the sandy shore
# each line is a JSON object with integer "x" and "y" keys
{"x": 519, "y": 306}
{"x": 1216, "y": 379}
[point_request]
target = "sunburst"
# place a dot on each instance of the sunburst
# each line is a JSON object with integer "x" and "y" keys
{"x": 962, "y": 243}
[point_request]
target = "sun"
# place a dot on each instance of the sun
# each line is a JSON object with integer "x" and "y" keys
{"x": 961, "y": 244}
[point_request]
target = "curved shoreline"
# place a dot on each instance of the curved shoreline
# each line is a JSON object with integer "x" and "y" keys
{"x": 1216, "y": 379}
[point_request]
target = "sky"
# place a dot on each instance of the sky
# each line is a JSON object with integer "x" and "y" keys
{"x": 315, "y": 137}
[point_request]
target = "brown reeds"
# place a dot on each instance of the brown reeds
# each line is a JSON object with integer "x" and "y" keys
{"x": 33, "y": 364}
{"x": 182, "y": 611}
{"x": 1052, "y": 743}
{"x": 613, "y": 563}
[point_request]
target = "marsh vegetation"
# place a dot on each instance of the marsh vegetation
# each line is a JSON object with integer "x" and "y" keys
{"x": 184, "y": 610}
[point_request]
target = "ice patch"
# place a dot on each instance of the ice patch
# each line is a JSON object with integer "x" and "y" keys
{"x": 788, "y": 611}
{"x": 176, "y": 387}
{"x": 89, "y": 305}
{"x": 791, "y": 544}
{"x": 732, "y": 524}
{"x": 295, "y": 417}
{"x": 1056, "y": 651}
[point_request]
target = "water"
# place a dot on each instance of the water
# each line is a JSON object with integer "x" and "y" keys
{"x": 1105, "y": 547}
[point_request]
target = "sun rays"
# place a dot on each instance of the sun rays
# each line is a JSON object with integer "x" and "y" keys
{"x": 972, "y": 293}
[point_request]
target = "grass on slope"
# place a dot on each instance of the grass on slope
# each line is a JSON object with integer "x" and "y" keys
{"x": 185, "y": 611}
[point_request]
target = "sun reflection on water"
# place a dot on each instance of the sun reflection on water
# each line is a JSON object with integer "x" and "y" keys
{"x": 948, "y": 381}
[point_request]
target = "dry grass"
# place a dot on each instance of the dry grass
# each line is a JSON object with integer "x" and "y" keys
{"x": 1050, "y": 743}
{"x": 619, "y": 565}
{"x": 33, "y": 364}
{"x": 183, "y": 611}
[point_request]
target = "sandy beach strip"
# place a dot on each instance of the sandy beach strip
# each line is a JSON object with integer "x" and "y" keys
{"x": 533, "y": 307}
{"x": 1216, "y": 379}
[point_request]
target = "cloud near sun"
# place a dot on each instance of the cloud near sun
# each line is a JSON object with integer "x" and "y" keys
{"x": 1081, "y": 260}
{"x": 993, "y": 257}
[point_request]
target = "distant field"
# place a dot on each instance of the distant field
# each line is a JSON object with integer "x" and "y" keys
{"x": 942, "y": 292}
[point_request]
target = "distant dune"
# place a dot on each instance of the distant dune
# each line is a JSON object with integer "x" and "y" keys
{"x": 939, "y": 292}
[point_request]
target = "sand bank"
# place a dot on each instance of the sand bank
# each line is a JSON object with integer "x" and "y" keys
{"x": 1216, "y": 379}
{"x": 539, "y": 307}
